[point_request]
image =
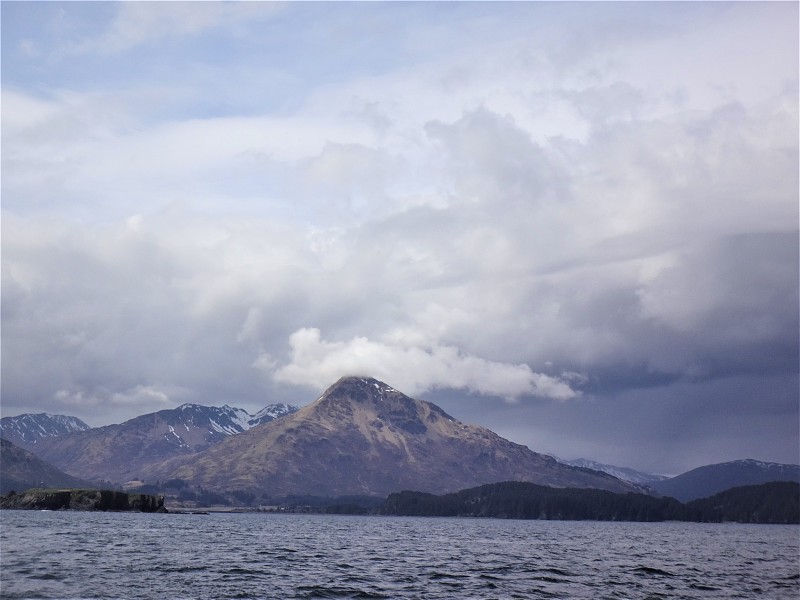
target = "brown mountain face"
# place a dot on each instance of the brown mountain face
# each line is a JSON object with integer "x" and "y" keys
{"x": 21, "y": 470}
{"x": 363, "y": 437}
{"x": 127, "y": 451}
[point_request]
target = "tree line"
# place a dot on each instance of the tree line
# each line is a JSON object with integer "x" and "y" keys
{"x": 776, "y": 502}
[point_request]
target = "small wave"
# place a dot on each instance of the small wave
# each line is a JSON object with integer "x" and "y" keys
{"x": 703, "y": 587}
{"x": 544, "y": 593}
{"x": 653, "y": 571}
{"x": 241, "y": 571}
{"x": 48, "y": 577}
{"x": 322, "y": 591}
{"x": 439, "y": 575}
{"x": 183, "y": 569}
{"x": 510, "y": 568}
{"x": 555, "y": 571}
{"x": 785, "y": 583}
{"x": 547, "y": 579}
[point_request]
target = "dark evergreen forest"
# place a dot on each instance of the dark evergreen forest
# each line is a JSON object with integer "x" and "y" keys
{"x": 777, "y": 502}
{"x": 769, "y": 503}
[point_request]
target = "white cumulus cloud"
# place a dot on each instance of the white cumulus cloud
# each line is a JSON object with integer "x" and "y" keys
{"x": 316, "y": 363}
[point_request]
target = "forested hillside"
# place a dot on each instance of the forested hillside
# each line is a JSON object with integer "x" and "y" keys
{"x": 776, "y": 502}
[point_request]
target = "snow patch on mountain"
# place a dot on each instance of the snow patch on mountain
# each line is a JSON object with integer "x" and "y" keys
{"x": 624, "y": 473}
{"x": 26, "y": 430}
{"x": 270, "y": 413}
{"x": 708, "y": 480}
{"x": 229, "y": 420}
{"x": 196, "y": 420}
{"x": 767, "y": 467}
{"x": 174, "y": 437}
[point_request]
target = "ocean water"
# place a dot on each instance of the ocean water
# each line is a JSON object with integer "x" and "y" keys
{"x": 132, "y": 555}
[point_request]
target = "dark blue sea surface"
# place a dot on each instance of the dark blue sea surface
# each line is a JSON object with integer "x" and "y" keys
{"x": 132, "y": 555}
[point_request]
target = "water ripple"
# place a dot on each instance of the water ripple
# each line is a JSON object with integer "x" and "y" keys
{"x": 95, "y": 555}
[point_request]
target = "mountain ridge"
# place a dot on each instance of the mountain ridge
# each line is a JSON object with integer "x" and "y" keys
{"x": 364, "y": 437}
{"x": 20, "y": 469}
{"x": 28, "y": 429}
{"x": 624, "y": 473}
{"x": 361, "y": 432}
{"x": 122, "y": 452}
{"x": 709, "y": 480}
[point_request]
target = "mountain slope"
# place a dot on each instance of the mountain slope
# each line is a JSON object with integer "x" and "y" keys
{"x": 270, "y": 413}
{"x": 624, "y": 473}
{"x": 21, "y": 470}
{"x": 523, "y": 500}
{"x": 363, "y": 437}
{"x": 712, "y": 479}
{"x": 120, "y": 453}
{"x": 773, "y": 502}
{"x": 27, "y": 430}
{"x": 776, "y": 502}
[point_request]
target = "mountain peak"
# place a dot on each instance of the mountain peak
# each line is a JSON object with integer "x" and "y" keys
{"x": 29, "y": 429}
{"x": 360, "y": 389}
{"x": 362, "y": 436}
{"x": 128, "y": 450}
{"x": 708, "y": 480}
{"x": 362, "y": 381}
{"x": 376, "y": 405}
{"x": 624, "y": 473}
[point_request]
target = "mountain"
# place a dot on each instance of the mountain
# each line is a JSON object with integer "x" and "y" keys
{"x": 270, "y": 413}
{"x": 120, "y": 453}
{"x": 363, "y": 437}
{"x": 712, "y": 479}
{"x": 27, "y": 430}
{"x": 624, "y": 473}
{"x": 21, "y": 470}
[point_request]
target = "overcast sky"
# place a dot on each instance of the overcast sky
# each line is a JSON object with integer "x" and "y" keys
{"x": 573, "y": 223}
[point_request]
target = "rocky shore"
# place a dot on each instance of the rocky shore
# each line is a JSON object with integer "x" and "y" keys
{"x": 73, "y": 499}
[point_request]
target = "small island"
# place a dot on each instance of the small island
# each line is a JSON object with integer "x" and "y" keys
{"x": 82, "y": 499}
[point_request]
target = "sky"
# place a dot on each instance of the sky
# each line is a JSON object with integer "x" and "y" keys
{"x": 573, "y": 223}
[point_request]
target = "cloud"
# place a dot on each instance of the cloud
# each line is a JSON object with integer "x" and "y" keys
{"x": 141, "y": 396}
{"x": 554, "y": 202}
{"x": 619, "y": 255}
{"x": 316, "y": 363}
{"x": 135, "y": 25}
{"x": 102, "y": 309}
{"x": 76, "y": 399}
{"x": 96, "y": 153}
{"x": 22, "y": 111}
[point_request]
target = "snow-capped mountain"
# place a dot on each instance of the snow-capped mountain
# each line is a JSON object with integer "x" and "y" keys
{"x": 229, "y": 420}
{"x": 624, "y": 473}
{"x": 270, "y": 413}
{"x": 127, "y": 451}
{"x": 711, "y": 479}
{"x": 363, "y": 437}
{"x": 27, "y": 430}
